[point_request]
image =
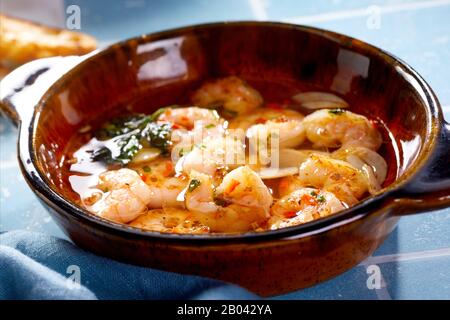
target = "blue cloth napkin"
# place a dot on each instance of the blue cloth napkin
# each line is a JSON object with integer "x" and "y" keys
{"x": 38, "y": 266}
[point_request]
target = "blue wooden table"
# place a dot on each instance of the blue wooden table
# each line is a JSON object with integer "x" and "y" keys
{"x": 415, "y": 260}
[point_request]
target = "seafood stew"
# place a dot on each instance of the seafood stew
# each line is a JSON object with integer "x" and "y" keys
{"x": 229, "y": 160}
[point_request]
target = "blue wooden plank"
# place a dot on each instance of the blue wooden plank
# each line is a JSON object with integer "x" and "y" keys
{"x": 422, "y": 279}
{"x": 349, "y": 285}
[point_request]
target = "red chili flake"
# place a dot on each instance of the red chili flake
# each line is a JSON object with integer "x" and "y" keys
{"x": 181, "y": 176}
{"x": 232, "y": 186}
{"x": 281, "y": 119}
{"x": 274, "y": 105}
{"x": 308, "y": 200}
{"x": 143, "y": 177}
{"x": 169, "y": 168}
{"x": 261, "y": 120}
{"x": 290, "y": 214}
{"x": 175, "y": 126}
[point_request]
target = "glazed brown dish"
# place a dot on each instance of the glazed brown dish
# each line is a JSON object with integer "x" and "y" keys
{"x": 140, "y": 75}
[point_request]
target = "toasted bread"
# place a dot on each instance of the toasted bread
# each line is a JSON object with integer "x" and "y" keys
{"x": 22, "y": 41}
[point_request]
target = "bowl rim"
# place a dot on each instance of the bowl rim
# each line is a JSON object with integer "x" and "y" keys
{"x": 36, "y": 177}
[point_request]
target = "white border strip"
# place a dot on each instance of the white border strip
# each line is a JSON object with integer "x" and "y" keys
{"x": 409, "y": 256}
{"x": 361, "y": 12}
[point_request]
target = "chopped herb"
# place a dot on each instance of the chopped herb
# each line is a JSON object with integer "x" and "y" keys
{"x": 229, "y": 113}
{"x": 193, "y": 184}
{"x": 200, "y": 146}
{"x": 220, "y": 202}
{"x": 184, "y": 151}
{"x": 321, "y": 198}
{"x": 210, "y": 126}
{"x": 158, "y": 135}
{"x": 123, "y": 137}
{"x": 213, "y": 106}
{"x": 313, "y": 193}
{"x": 336, "y": 111}
{"x": 155, "y": 115}
{"x": 147, "y": 169}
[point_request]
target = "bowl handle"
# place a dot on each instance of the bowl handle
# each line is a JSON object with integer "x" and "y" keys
{"x": 22, "y": 89}
{"x": 430, "y": 189}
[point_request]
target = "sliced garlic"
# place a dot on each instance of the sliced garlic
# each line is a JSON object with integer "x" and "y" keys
{"x": 319, "y": 100}
{"x": 146, "y": 155}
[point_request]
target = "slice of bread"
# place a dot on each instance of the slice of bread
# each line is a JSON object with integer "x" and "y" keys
{"x": 22, "y": 41}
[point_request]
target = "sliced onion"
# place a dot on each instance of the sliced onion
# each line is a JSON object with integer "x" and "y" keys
{"x": 146, "y": 155}
{"x": 377, "y": 163}
{"x": 273, "y": 173}
{"x": 294, "y": 158}
{"x": 355, "y": 161}
{"x": 289, "y": 163}
{"x": 357, "y": 156}
{"x": 374, "y": 185}
{"x": 320, "y": 100}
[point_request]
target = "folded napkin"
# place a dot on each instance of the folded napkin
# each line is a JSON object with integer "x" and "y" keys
{"x": 38, "y": 266}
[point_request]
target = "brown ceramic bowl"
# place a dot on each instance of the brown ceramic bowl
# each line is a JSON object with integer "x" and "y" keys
{"x": 52, "y": 98}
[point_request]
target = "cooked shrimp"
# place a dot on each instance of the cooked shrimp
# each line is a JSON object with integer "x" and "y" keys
{"x": 284, "y": 124}
{"x": 234, "y": 218}
{"x": 214, "y": 155}
{"x": 172, "y": 220}
{"x": 125, "y": 195}
{"x": 334, "y": 128}
{"x": 244, "y": 187}
{"x": 262, "y": 116}
{"x": 159, "y": 177}
{"x": 233, "y": 93}
{"x": 240, "y": 203}
{"x": 303, "y": 205}
{"x": 199, "y": 196}
{"x": 190, "y": 117}
{"x": 368, "y": 161}
{"x": 342, "y": 179}
{"x": 285, "y": 133}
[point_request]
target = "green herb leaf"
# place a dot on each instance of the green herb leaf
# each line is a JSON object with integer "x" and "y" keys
{"x": 184, "y": 151}
{"x": 210, "y": 126}
{"x": 220, "y": 202}
{"x": 336, "y": 111}
{"x": 229, "y": 113}
{"x": 123, "y": 137}
{"x": 158, "y": 135}
{"x": 193, "y": 184}
{"x": 147, "y": 169}
{"x": 200, "y": 146}
{"x": 155, "y": 115}
{"x": 321, "y": 198}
